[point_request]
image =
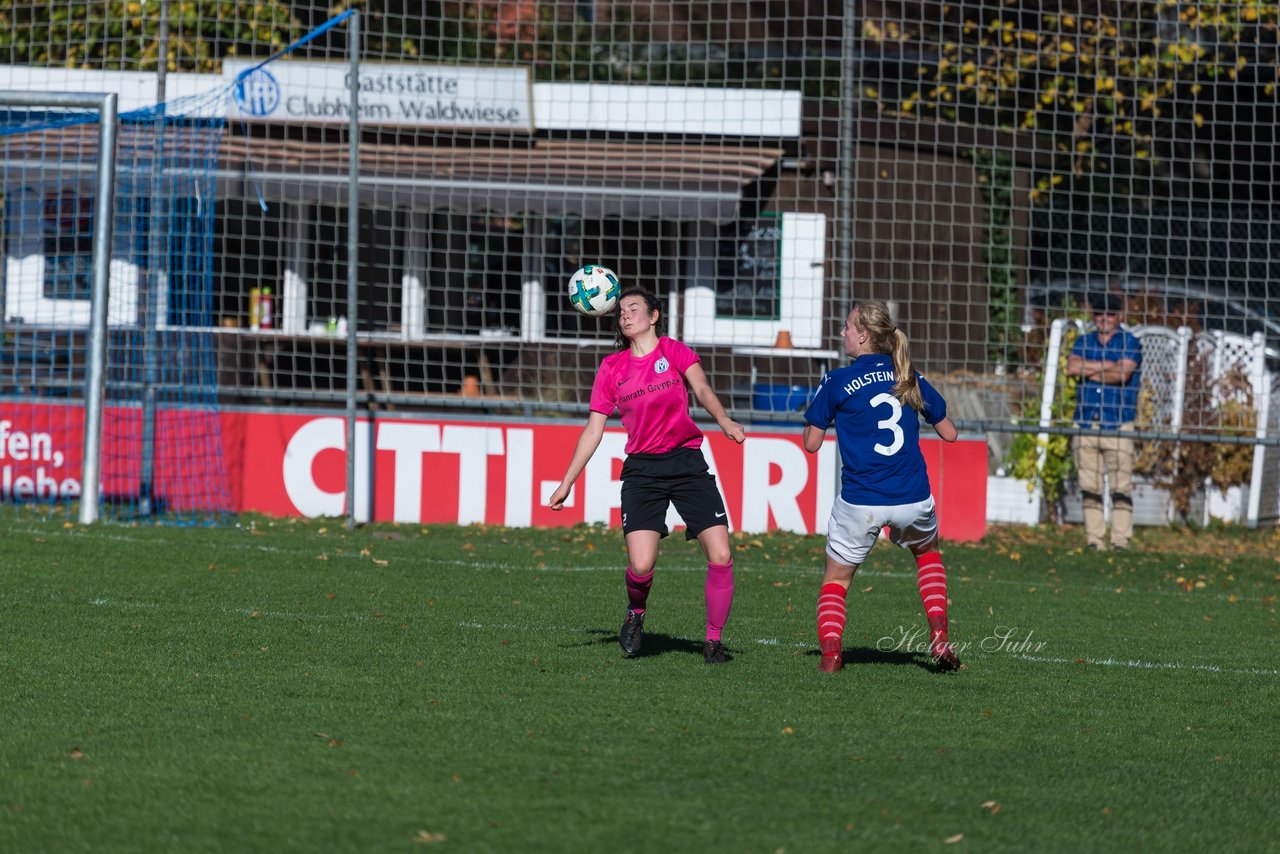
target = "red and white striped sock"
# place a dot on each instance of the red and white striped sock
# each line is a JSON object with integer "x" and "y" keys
{"x": 931, "y": 578}
{"x": 831, "y": 615}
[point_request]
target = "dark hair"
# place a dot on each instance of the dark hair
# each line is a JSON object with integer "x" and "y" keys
{"x": 874, "y": 319}
{"x": 1107, "y": 302}
{"x": 651, "y": 301}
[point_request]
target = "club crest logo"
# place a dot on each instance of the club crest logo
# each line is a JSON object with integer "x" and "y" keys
{"x": 660, "y": 367}
{"x": 257, "y": 92}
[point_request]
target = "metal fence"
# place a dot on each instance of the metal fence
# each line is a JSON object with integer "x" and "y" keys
{"x": 979, "y": 171}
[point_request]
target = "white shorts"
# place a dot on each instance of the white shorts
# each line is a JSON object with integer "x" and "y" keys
{"x": 854, "y": 528}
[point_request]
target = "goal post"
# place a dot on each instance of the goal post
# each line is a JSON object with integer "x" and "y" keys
{"x": 111, "y": 359}
{"x": 108, "y": 380}
{"x": 105, "y": 106}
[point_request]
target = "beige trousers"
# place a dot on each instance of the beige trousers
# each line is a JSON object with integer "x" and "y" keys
{"x": 1106, "y": 454}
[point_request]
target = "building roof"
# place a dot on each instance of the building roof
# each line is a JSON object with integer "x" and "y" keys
{"x": 704, "y": 181}
{"x": 649, "y": 180}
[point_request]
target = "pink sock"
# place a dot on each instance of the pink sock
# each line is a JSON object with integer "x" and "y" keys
{"x": 719, "y": 592}
{"x": 638, "y": 590}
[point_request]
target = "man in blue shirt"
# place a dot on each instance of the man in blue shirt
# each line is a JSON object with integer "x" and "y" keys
{"x": 1108, "y": 362}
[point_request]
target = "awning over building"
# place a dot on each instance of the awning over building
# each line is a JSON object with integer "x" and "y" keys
{"x": 705, "y": 181}
{"x": 642, "y": 180}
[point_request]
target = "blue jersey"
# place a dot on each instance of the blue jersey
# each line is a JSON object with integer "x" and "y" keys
{"x": 878, "y": 435}
{"x": 1108, "y": 404}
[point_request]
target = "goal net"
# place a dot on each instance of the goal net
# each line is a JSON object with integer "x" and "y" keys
{"x": 161, "y": 446}
{"x": 982, "y": 168}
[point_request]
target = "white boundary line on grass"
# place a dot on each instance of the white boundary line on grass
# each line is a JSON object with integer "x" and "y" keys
{"x": 1035, "y": 659}
{"x": 524, "y": 627}
{"x": 1148, "y": 665}
{"x": 246, "y": 612}
{"x": 1041, "y": 585}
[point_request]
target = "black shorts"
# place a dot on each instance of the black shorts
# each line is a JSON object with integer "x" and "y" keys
{"x": 652, "y": 481}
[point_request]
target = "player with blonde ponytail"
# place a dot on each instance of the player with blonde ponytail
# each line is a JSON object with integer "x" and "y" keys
{"x": 875, "y": 404}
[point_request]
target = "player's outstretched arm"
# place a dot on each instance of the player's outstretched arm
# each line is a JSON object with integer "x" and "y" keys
{"x": 946, "y": 430}
{"x": 697, "y": 379}
{"x": 588, "y": 441}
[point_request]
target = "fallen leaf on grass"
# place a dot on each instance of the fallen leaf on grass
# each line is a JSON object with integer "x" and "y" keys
{"x": 426, "y": 837}
{"x": 76, "y": 753}
{"x": 993, "y": 806}
{"x": 377, "y": 562}
{"x": 952, "y": 840}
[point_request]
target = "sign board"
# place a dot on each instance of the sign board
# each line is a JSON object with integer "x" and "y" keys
{"x": 447, "y": 470}
{"x": 427, "y": 96}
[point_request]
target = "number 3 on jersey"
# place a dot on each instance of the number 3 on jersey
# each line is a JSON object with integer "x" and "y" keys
{"x": 890, "y": 423}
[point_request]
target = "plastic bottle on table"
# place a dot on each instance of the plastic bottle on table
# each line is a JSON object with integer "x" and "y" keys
{"x": 266, "y": 317}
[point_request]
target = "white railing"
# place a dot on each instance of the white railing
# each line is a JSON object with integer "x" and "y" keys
{"x": 1165, "y": 354}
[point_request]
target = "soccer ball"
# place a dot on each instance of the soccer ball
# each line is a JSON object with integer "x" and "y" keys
{"x": 594, "y": 290}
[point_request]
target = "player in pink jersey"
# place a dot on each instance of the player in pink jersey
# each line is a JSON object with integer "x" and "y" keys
{"x": 648, "y": 382}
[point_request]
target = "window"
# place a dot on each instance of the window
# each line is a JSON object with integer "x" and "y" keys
{"x": 68, "y": 246}
{"x": 749, "y": 270}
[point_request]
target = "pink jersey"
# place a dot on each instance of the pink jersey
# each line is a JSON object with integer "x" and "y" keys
{"x": 651, "y": 397}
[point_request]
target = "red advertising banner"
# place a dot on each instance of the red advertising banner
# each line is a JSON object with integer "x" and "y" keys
{"x": 423, "y": 470}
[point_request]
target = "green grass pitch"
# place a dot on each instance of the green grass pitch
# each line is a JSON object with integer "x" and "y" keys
{"x": 292, "y": 686}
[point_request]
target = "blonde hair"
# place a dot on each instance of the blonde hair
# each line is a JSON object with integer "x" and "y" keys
{"x": 873, "y": 318}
